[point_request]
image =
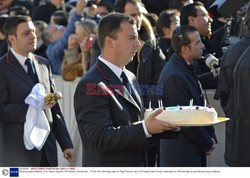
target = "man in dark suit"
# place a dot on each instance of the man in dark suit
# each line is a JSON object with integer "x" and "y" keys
{"x": 108, "y": 113}
{"x": 180, "y": 85}
{"x": 15, "y": 85}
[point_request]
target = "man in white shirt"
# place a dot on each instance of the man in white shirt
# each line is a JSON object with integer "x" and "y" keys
{"x": 107, "y": 104}
{"x": 20, "y": 70}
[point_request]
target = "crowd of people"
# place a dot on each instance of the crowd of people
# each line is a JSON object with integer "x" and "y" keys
{"x": 129, "y": 54}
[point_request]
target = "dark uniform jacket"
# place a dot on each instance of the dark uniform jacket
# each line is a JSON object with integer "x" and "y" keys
{"x": 228, "y": 63}
{"x": 180, "y": 85}
{"x": 238, "y": 127}
{"x": 105, "y": 119}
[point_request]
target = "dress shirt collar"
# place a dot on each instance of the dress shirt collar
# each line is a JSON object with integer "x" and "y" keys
{"x": 21, "y": 59}
{"x": 117, "y": 71}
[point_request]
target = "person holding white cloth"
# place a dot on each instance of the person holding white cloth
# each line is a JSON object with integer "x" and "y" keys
{"x": 20, "y": 70}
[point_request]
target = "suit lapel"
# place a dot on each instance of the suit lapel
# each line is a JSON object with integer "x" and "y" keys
{"x": 126, "y": 95}
{"x": 39, "y": 69}
{"x": 17, "y": 69}
{"x": 108, "y": 74}
{"x": 135, "y": 93}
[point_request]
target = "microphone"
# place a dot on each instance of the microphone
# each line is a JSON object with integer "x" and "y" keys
{"x": 211, "y": 61}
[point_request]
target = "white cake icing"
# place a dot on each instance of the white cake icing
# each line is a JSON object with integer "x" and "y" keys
{"x": 186, "y": 115}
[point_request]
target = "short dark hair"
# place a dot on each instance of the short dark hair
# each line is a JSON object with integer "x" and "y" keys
{"x": 177, "y": 42}
{"x": 164, "y": 20}
{"x": 110, "y": 25}
{"x": 60, "y": 17}
{"x": 189, "y": 10}
{"x": 107, "y": 5}
{"x": 120, "y": 4}
{"x": 152, "y": 17}
{"x": 10, "y": 25}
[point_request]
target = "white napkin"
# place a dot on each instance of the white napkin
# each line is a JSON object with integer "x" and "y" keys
{"x": 36, "y": 127}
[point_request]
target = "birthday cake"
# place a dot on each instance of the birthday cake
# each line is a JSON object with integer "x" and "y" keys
{"x": 185, "y": 115}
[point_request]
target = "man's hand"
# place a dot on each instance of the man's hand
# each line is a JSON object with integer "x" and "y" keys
{"x": 80, "y": 4}
{"x": 51, "y": 99}
{"x": 155, "y": 126}
{"x": 209, "y": 152}
{"x": 49, "y": 105}
{"x": 69, "y": 154}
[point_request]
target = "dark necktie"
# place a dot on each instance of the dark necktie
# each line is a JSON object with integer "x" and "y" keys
{"x": 128, "y": 86}
{"x": 31, "y": 70}
{"x": 126, "y": 82}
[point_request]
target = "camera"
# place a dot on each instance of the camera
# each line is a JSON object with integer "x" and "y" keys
{"x": 226, "y": 8}
{"x": 234, "y": 12}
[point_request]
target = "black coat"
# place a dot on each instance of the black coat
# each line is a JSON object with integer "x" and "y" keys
{"x": 165, "y": 44}
{"x": 105, "y": 120}
{"x": 180, "y": 85}
{"x": 228, "y": 63}
{"x": 15, "y": 86}
{"x": 238, "y": 127}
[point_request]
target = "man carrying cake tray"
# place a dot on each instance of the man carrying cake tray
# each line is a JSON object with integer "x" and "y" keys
{"x": 107, "y": 104}
{"x": 180, "y": 85}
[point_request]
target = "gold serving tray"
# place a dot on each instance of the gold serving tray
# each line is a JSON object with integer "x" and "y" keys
{"x": 219, "y": 120}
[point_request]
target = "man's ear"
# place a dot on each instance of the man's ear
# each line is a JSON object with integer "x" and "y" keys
{"x": 12, "y": 38}
{"x": 191, "y": 21}
{"x": 185, "y": 49}
{"x": 109, "y": 42}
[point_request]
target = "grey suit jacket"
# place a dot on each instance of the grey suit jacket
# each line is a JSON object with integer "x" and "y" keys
{"x": 15, "y": 86}
{"x": 105, "y": 115}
